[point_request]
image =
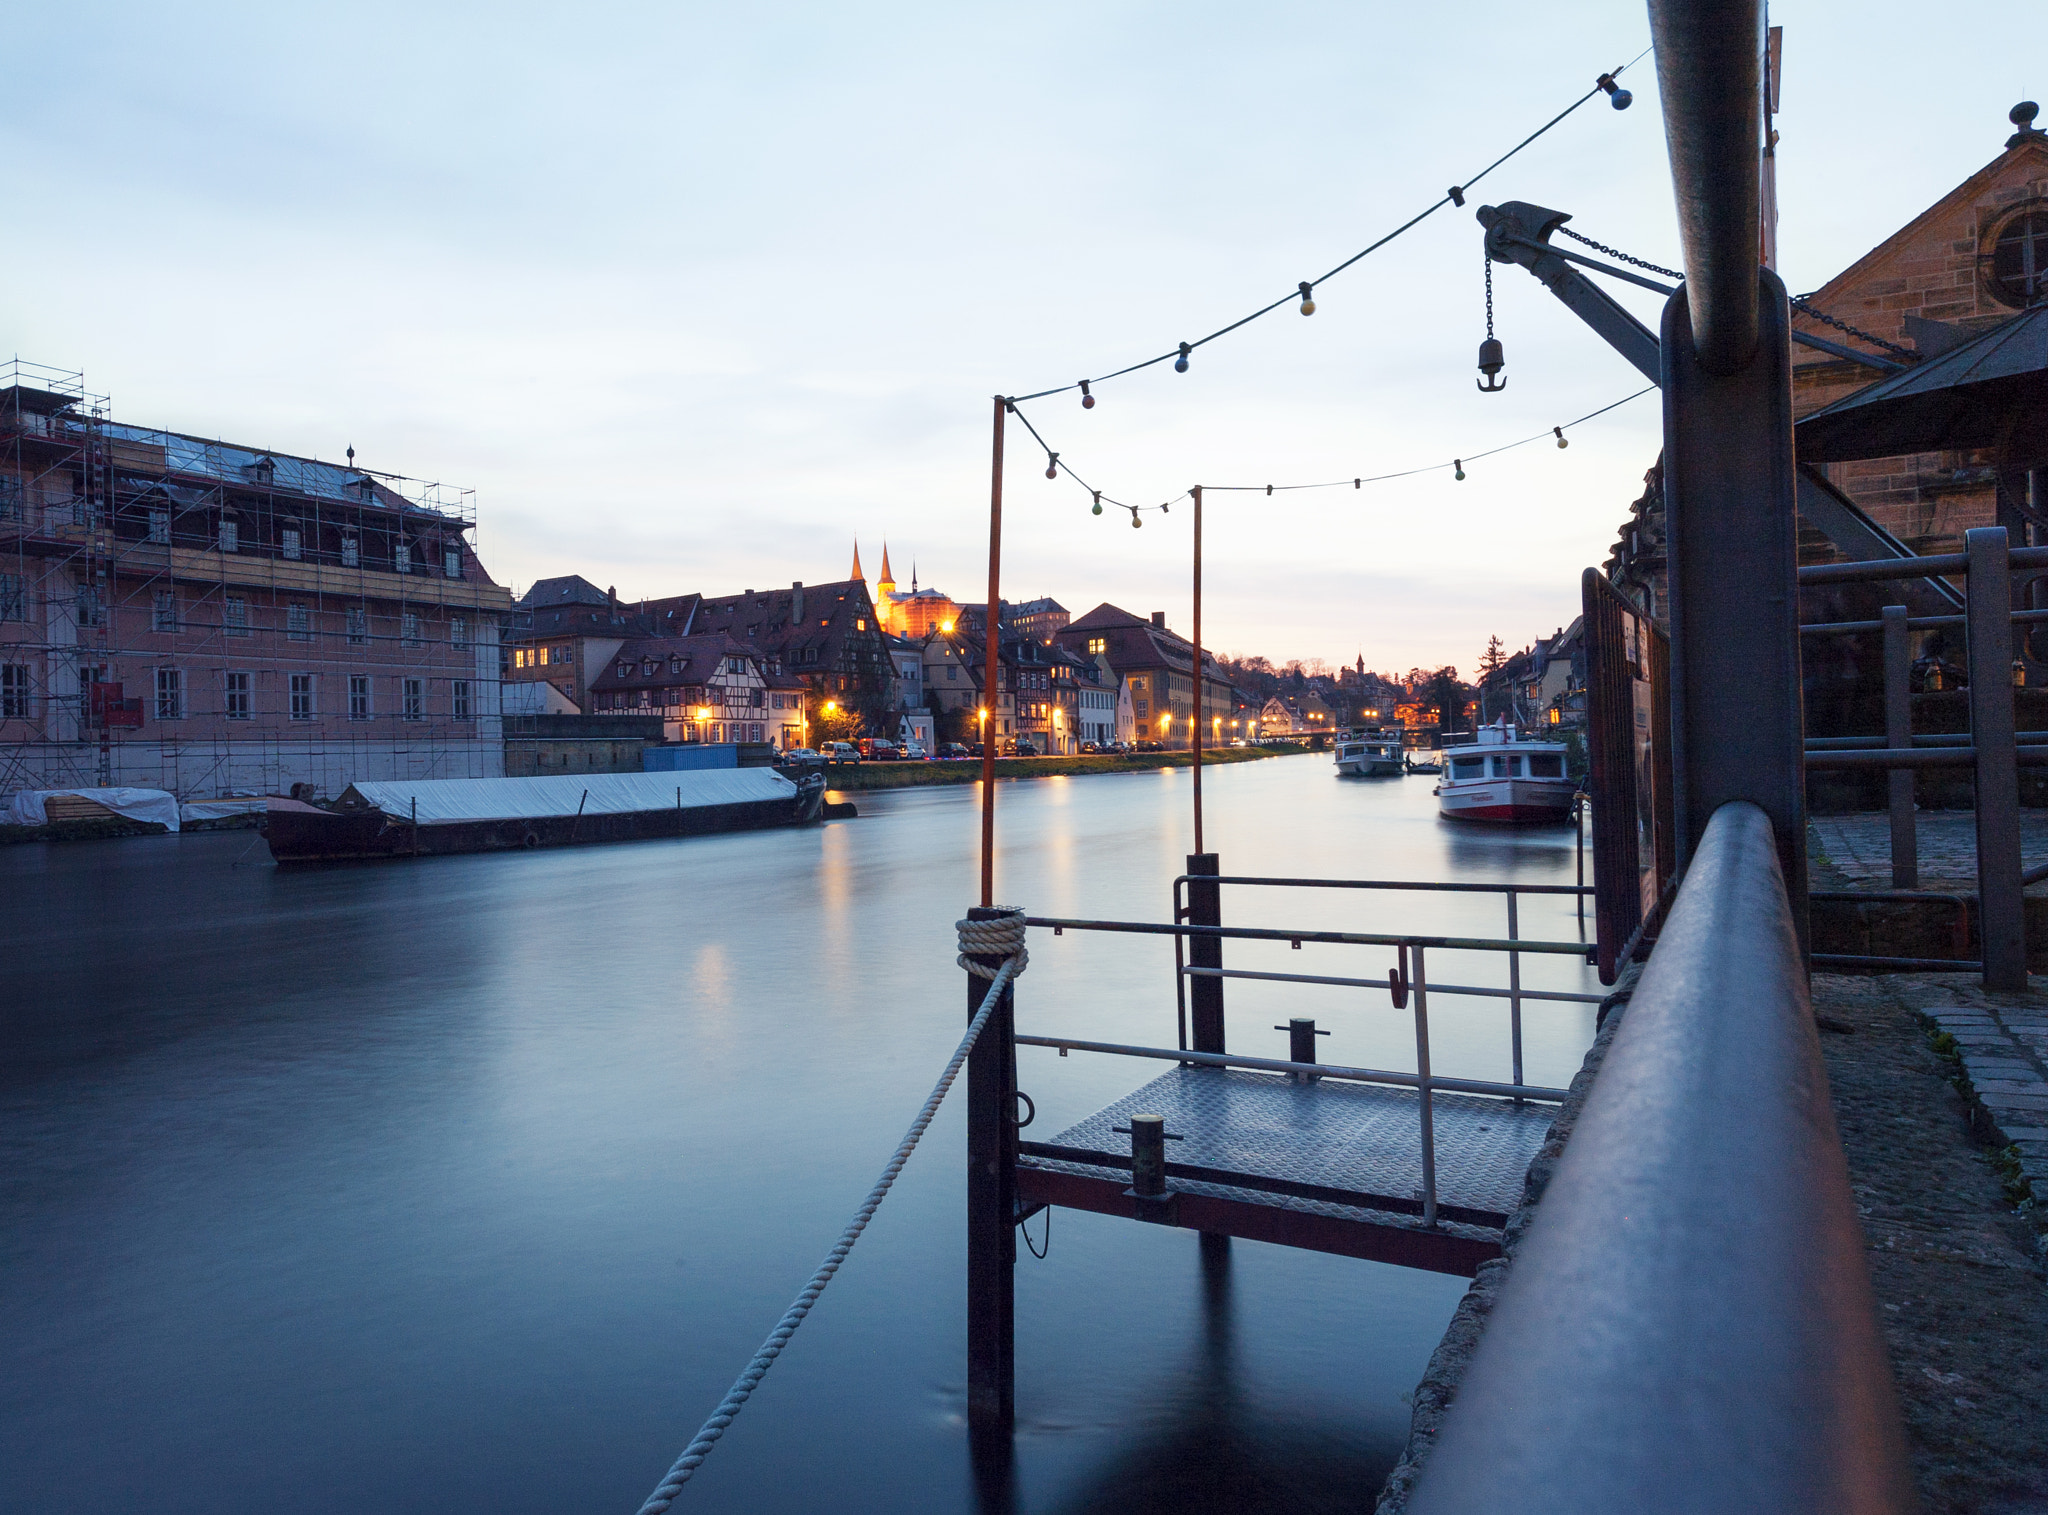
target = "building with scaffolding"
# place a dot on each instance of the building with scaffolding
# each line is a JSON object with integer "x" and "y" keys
{"x": 211, "y": 619}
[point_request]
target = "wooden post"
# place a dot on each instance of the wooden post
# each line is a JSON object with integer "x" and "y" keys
{"x": 991, "y": 1205}
{"x": 1199, "y": 715}
{"x": 991, "y": 725}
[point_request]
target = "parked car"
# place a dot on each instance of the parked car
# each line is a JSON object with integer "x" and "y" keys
{"x": 949, "y": 750}
{"x": 1025, "y": 747}
{"x": 1148, "y": 747}
{"x": 801, "y": 757}
{"x": 879, "y": 749}
{"x": 840, "y": 752}
{"x": 914, "y": 752}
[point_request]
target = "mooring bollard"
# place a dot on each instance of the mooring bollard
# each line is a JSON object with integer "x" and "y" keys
{"x": 1150, "y": 1198}
{"x": 1301, "y": 1044}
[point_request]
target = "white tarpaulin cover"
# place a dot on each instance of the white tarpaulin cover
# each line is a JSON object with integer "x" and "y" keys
{"x": 26, "y": 809}
{"x": 220, "y": 810}
{"x": 445, "y": 800}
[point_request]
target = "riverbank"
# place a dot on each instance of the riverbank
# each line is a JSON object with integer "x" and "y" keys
{"x": 848, "y": 777}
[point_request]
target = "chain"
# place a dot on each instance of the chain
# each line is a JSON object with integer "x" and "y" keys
{"x": 1489, "y": 297}
{"x": 1614, "y": 252}
{"x": 1905, "y": 354}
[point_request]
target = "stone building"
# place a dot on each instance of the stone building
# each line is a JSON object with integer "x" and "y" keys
{"x": 209, "y": 618}
{"x": 1158, "y": 666}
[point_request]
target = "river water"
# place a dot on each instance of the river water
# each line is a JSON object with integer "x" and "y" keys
{"x": 469, "y": 1184}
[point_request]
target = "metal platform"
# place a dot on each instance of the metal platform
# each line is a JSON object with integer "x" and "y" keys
{"x": 1334, "y": 1166}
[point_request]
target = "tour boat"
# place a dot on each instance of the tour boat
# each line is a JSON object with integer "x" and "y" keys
{"x": 1500, "y": 776}
{"x": 434, "y": 816}
{"x": 1369, "y": 752}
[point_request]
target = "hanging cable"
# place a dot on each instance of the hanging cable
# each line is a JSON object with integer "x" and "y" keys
{"x": 1452, "y": 196}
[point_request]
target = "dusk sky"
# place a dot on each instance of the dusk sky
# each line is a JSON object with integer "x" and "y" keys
{"x": 694, "y": 295}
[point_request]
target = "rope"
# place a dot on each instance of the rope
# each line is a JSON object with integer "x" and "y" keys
{"x": 1005, "y": 936}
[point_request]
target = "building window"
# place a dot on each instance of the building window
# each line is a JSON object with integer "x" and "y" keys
{"x": 451, "y": 563}
{"x": 13, "y": 604}
{"x": 359, "y": 697}
{"x": 409, "y": 628}
{"x": 164, "y": 611}
{"x": 415, "y": 699}
{"x": 298, "y": 623}
{"x": 401, "y": 558}
{"x": 458, "y": 631}
{"x": 170, "y": 694}
{"x": 1098, "y": 644}
{"x": 234, "y": 616}
{"x": 2019, "y": 260}
{"x": 230, "y": 535}
{"x": 458, "y": 694}
{"x": 88, "y": 605}
{"x": 238, "y": 705}
{"x": 290, "y": 540}
{"x": 159, "y": 526}
{"x": 358, "y": 626}
{"x": 351, "y": 552}
{"x": 302, "y": 696}
{"x": 13, "y": 691}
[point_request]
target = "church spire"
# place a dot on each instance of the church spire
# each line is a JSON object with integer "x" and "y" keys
{"x": 888, "y": 580}
{"x": 856, "y": 574}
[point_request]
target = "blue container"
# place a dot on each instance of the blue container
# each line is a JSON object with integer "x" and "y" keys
{"x": 680, "y": 757}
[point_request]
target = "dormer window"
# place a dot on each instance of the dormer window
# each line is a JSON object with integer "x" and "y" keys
{"x": 625, "y": 670}
{"x": 675, "y": 665}
{"x": 647, "y": 666}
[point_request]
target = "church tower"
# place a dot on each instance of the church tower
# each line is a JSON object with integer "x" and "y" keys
{"x": 886, "y": 584}
{"x": 856, "y": 574}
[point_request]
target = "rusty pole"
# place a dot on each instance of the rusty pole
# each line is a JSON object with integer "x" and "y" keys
{"x": 1197, "y": 493}
{"x": 991, "y": 724}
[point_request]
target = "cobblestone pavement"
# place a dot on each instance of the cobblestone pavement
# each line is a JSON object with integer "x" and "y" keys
{"x": 1955, "y": 1255}
{"x": 1859, "y": 846}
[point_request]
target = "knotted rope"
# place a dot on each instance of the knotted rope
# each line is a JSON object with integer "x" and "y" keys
{"x": 1004, "y": 936}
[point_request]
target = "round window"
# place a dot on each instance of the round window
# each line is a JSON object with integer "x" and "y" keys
{"x": 2019, "y": 260}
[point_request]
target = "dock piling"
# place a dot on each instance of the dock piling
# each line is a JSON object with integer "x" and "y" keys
{"x": 1205, "y": 908}
{"x": 1301, "y": 1043}
{"x": 991, "y": 1201}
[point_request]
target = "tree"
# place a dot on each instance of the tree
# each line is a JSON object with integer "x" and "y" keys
{"x": 1490, "y": 660}
{"x": 1447, "y": 696}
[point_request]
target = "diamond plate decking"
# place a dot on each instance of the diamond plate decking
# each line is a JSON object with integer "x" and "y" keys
{"x": 1307, "y": 1163}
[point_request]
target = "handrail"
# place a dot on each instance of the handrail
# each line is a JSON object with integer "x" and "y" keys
{"x": 1378, "y": 983}
{"x": 1689, "y": 1323}
{"x": 1380, "y": 883}
{"x": 1327, "y": 938}
{"x": 1312, "y": 1070}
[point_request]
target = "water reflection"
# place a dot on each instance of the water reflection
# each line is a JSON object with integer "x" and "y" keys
{"x": 471, "y": 1183}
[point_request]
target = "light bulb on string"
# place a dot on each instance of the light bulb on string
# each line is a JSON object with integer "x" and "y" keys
{"x": 1561, "y": 442}
{"x": 1308, "y": 298}
{"x": 1618, "y": 97}
{"x": 1052, "y": 465}
{"x": 1459, "y": 465}
{"x": 1087, "y": 400}
{"x": 1098, "y": 503}
{"x": 1180, "y": 364}
{"x": 1135, "y": 522}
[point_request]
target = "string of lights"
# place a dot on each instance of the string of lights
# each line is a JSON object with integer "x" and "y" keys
{"x": 1305, "y": 290}
{"x": 1055, "y": 466}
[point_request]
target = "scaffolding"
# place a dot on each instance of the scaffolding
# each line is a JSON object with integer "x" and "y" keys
{"x": 215, "y": 619}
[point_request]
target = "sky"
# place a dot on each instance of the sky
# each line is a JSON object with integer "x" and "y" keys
{"x": 692, "y": 296}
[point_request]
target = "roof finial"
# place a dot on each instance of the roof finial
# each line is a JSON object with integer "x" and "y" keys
{"x": 2022, "y": 116}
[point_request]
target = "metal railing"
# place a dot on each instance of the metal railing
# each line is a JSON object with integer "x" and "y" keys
{"x": 1409, "y": 978}
{"x": 1992, "y": 749}
{"x": 1689, "y": 1323}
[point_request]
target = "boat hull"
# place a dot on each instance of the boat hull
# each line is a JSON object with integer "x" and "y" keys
{"x": 1507, "y": 801}
{"x": 1369, "y": 767}
{"x": 304, "y": 834}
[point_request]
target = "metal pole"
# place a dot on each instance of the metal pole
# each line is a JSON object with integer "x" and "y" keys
{"x": 992, "y": 723}
{"x": 1422, "y": 1089}
{"x": 1205, "y": 908}
{"x": 1579, "y": 845}
{"x": 1710, "y": 79}
{"x": 1898, "y": 734}
{"x": 1729, "y": 493}
{"x": 1515, "y": 985}
{"x": 1199, "y": 717}
{"x": 991, "y": 1204}
{"x": 2001, "y": 922}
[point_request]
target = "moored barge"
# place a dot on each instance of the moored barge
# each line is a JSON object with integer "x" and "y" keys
{"x": 1501, "y": 776}
{"x": 434, "y": 817}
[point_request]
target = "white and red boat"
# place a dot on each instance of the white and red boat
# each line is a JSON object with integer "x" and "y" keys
{"x": 1501, "y": 776}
